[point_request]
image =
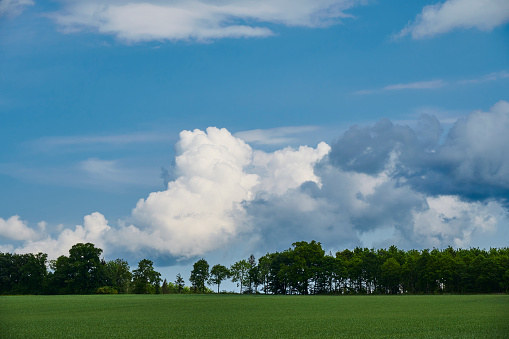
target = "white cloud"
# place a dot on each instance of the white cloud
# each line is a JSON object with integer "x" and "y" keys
{"x": 369, "y": 189}
{"x": 108, "y": 173}
{"x": 199, "y": 20}
{"x": 434, "y": 84}
{"x": 104, "y": 140}
{"x": 275, "y": 136}
{"x": 417, "y": 85}
{"x": 454, "y": 14}
{"x": 452, "y": 221}
{"x": 287, "y": 168}
{"x": 202, "y": 210}
{"x": 94, "y": 230}
{"x": 15, "y": 229}
{"x": 14, "y": 7}
{"x": 486, "y": 78}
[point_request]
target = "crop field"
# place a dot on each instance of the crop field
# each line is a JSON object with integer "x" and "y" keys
{"x": 234, "y": 316}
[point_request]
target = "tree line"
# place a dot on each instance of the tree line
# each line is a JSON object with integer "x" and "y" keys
{"x": 304, "y": 268}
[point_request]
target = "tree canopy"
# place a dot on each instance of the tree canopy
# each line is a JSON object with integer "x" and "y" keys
{"x": 304, "y": 268}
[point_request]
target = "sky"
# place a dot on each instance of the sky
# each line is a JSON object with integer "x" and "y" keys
{"x": 175, "y": 130}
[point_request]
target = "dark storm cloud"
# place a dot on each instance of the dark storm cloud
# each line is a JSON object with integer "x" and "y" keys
{"x": 415, "y": 185}
{"x": 472, "y": 161}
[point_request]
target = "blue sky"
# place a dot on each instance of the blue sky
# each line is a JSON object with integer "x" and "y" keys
{"x": 93, "y": 97}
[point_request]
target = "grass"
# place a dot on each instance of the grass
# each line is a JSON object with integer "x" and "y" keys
{"x": 242, "y": 316}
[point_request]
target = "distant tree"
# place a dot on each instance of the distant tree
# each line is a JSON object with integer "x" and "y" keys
{"x": 58, "y": 278}
{"x": 391, "y": 273}
{"x": 179, "y": 283}
{"x": 119, "y": 274}
{"x": 264, "y": 264}
{"x": 86, "y": 270}
{"x": 218, "y": 273}
{"x": 239, "y": 272}
{"x": 199, "y": 275}
{"x": 22, "y": 273}
{"x": 253, "y": 275}
{"x": 165, "y": 289}
{"x": 145, "y": 279}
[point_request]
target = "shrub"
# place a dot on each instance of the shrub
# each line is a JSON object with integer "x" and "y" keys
{"x": 106, "y": 290}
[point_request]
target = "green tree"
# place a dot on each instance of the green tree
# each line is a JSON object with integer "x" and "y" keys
{"x": 59, "y": 278}
{"x": 164, "y": 288}
{"x": 218, "y": 273}
{"x": 179, "y": 283}
{"x": 145, "y": 279}
{"x": 239, "y": 272}
{"x": 86, "y": 270}
{"x": 264, "y": 264}
{"x": 119, "y": 274}
{"x": 199, "y": 275}
{"x": 391, "y": 273}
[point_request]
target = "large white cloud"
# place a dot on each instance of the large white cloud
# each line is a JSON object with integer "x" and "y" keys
{"x": 15, "y": 229}
{"x": 376, "y": 186}
{"x": 202, "y": 209}
{"x": 200, "y": 20}
{"x": 453, "y": 14}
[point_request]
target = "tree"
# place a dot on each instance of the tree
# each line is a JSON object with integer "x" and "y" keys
{"x": 264, "y": 264}
{"x": 145, "y": 279}
{"x": 119, "y": 274}
{"x": 165, "y": 289}
{"x": 199, "y": 275}
{"x": 58, "y": 279}
{"x": 391, "y": 273}
{"x": 179, "y": 283}
{"x": 239, "y": 272}
{"x": 253, "y": 275}
{"x": 86, "y": 270}
{"x": 218, "y": 273}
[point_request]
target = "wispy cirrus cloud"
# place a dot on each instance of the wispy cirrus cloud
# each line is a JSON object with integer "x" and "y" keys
{"x": 457, "y": 14}
{"x": 486, "y": 78}
{"x": 419, "y": 85}
{"x": 13, "y": 7}
{"x": 275, "y": 136}
{"x": 435, "y": 84}
{"x": 117, "y": 139}
{"x": 201, "y": 20}
{"x": 416, "y": 85}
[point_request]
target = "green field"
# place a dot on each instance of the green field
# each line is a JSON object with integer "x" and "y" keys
{"x": 234, "y": 316}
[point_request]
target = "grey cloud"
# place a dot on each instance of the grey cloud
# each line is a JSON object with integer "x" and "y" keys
{"x": 413, "y": 186}
{"x": 472, "y": 160}
{"x": 367, "y": 149}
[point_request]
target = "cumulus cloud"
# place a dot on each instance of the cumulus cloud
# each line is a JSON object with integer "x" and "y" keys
{"x": 458, "y": 14}
{"x": 202, "y": 209}
{"x": 16, "y": 229}
{"x": 93, "y": 230}
{"x": 199, "y": 20}
{"x": 374, "y": 186}
{"x": 471, "y": 161}
{"x": 13, "y": 7}
{"x": 474, "y": 152}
